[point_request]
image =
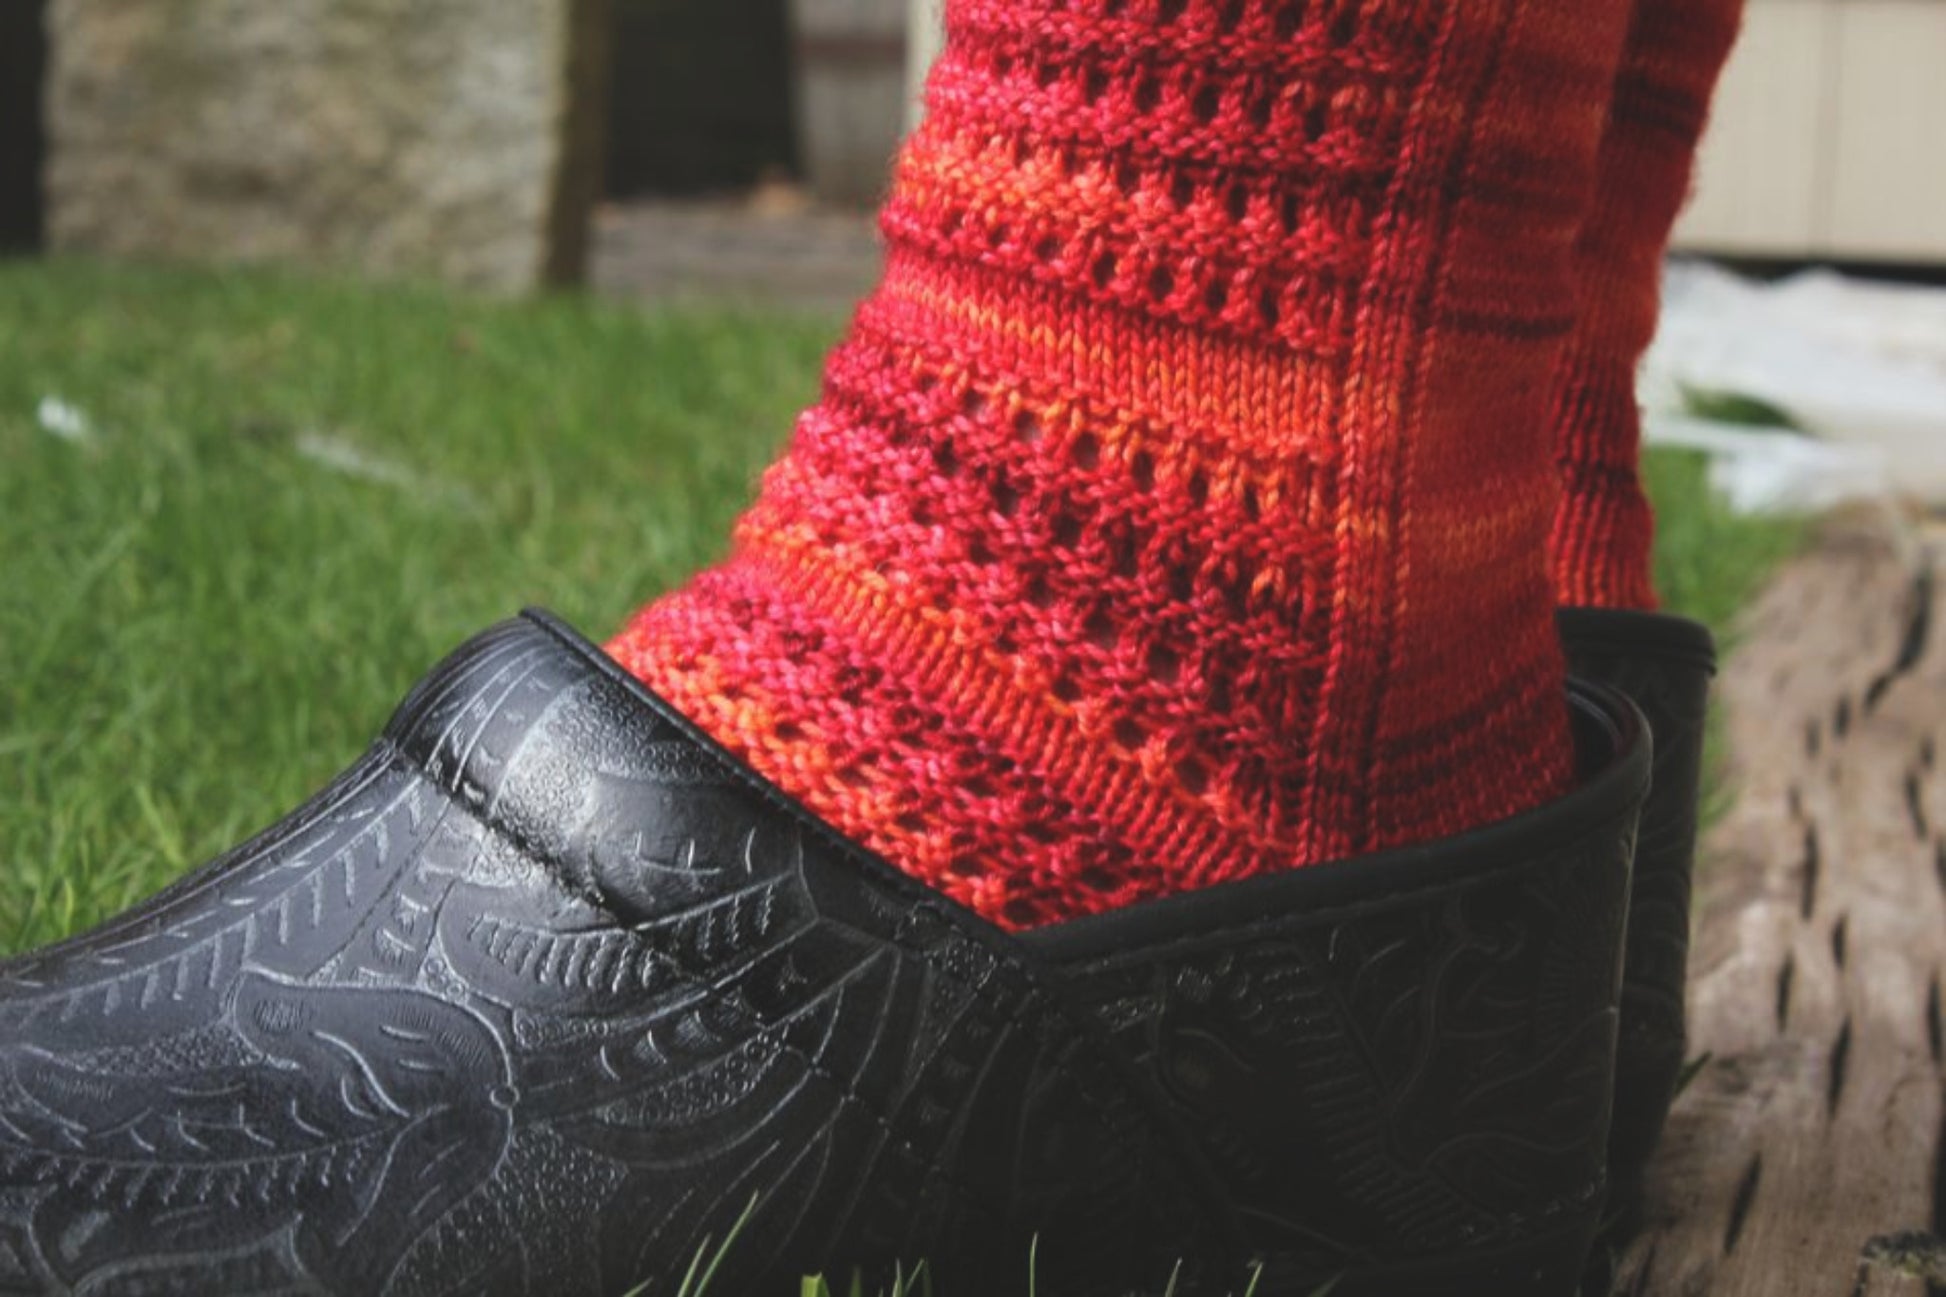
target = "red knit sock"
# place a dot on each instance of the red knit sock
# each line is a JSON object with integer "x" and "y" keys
{"x": 1603, "y": 530}
{"x": 1176, "y": 509}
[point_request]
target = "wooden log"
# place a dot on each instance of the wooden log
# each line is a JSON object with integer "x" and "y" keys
{"x": 1805, "y": 1157}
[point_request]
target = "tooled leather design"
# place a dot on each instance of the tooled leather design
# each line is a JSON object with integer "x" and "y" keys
{"x": 1421, "y": 1075}
{"x": 534, "y": 1000}
{"x": 1672, "y": 690}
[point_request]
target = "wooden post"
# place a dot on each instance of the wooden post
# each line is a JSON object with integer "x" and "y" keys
{"x": 1804, "y": 1159}
{"x": 851, "y": 64}
{"x": 925, "y": 33}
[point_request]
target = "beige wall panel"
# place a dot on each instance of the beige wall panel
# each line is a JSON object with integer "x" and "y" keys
{"x": 1888, "y": 160}
{"x": 1761, "y": 171}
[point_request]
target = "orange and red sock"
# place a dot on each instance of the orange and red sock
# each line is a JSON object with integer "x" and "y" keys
{"x": 1603, "y": 529}
{"x": 1176, "y": 509}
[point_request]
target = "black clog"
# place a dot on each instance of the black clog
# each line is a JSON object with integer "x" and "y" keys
{"x": 548, "y": 989}
{"x": 1664, "y": 664}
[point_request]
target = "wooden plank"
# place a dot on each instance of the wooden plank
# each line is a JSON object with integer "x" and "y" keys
{"x": 1816, "y": 975}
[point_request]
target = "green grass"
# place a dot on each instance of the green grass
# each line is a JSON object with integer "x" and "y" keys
{"x": 297, "y": 495}
{"x": 1708, "y": 562}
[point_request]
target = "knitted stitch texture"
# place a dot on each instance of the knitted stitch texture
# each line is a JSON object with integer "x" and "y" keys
{"x": 1603, "y": 529}
{"x": 1176, "y": 508}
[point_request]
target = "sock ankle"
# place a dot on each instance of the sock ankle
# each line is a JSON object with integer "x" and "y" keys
{"x": 1176, "y": 508}
{"x": 1603, "y": 529}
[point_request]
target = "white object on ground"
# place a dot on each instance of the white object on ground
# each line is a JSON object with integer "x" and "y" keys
{"x": 352, "y": 460}
{"x": 60, "y": 419}
{"x": 1776, "y": 470}
{"x": 1856, "y": 364}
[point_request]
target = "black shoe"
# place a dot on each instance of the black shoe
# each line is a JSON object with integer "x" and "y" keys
{"x": 1665, "y": 664}
{"x": 548, "y": 990}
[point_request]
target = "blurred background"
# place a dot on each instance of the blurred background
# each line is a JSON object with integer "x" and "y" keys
{"x": 528, "y": 141}
{"x": 331, "y": 330}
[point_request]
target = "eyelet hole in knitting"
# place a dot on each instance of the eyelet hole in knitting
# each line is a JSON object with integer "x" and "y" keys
{"x": 1098, "y": 880}
{"x": 972, "y": 402}
{"x": 1207, "y": 103}
{"x": 1289, "y": 17}
{"x": 1193, "y": 776}
{"x": 1065, "y": 531}
{"x": 1099, "y": 629}
{"x": 1148, "y": 93}
{"x": 1021, "y": 912}
{"x": 1006, "y": 500}
{"x": 1129, "y": 734}
{"x": 1317, "y": 119}
{"x": 1037, "y": 594}
{"x": 1161, "y": 284}
{"x": 1168, "y": 11}
{"x": 945, "y": 459}
{"x": 1103, "y": 271}
{"x": 1142, "y": 469}
{"x": 965, "y": 867}
{"x": 1228, "y": 15}
{"x": 1288, "y": 211}
{"x": 1164, "y": 664}
{"x": 1086, "y": 451}
{"x": 1268, "y": 308}
{"x": 1198, "y": 489}
{"x": 1218, "y": 699}
{"x": 1261, "y": 108}
{"x": 1216, "y": 296}
{"x": 1066, "y": 690}
{"x": 1027, "y": 428}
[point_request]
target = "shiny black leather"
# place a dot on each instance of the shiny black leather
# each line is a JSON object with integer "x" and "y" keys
{"x": 1664, "y": 664}
{"x": 537, "y": 996}
{"x": 534, "y": 1000}
{"x": 1400, "y": 1065}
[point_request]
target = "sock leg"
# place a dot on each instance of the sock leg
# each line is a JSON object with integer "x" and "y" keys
{"x": 1176, "y": 508}
{"x": 1603, "y": 530}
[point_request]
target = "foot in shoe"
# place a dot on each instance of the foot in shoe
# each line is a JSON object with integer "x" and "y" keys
{"x": 549, "y": 990}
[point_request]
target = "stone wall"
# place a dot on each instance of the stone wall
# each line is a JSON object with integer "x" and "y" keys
{"x": 449, "y": 138}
